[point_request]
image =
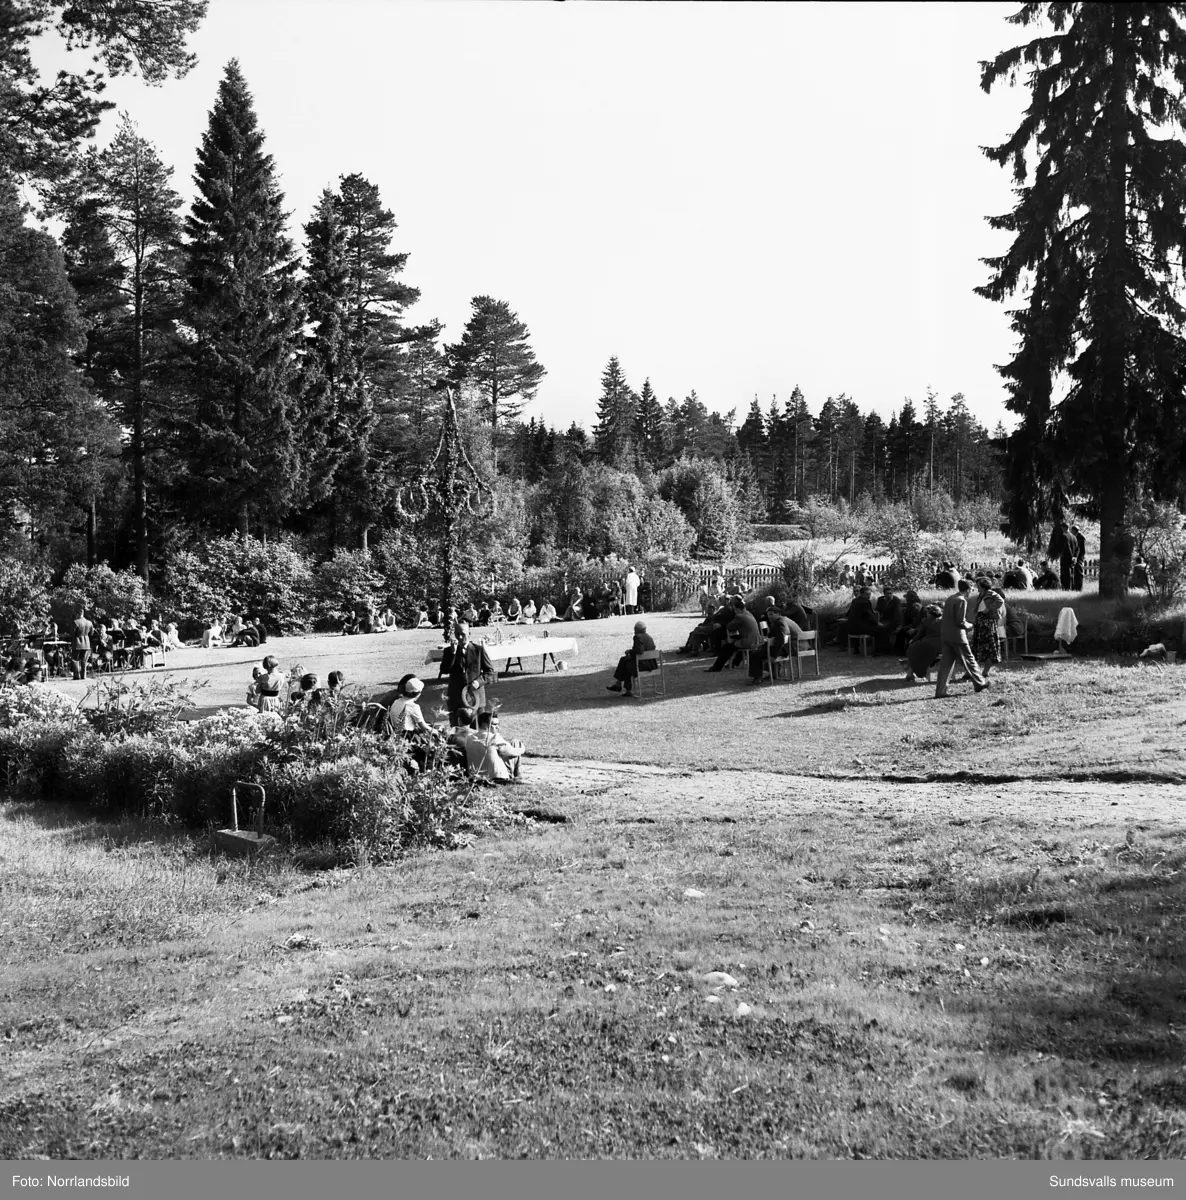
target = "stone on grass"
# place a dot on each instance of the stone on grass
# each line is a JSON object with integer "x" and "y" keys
{"x": 720, "y": 979}
{"x": 693, "y": 894}
{"x": 712, "y": 999}
{"x": 743, "y": 1009}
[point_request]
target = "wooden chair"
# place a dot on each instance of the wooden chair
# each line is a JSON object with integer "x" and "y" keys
{"x": 863, "y": 641}
{"x": 153, "y": 655}
{"x": 780, "y": 665}
{"x": 1016, "y": 643}
{"x": 656, "y": 675}
{"x": 809, "y": 648}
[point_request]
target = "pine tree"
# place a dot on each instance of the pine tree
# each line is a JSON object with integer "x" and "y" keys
{"x": 237, "y": 439}
{"x": 617, "y": 411}
{"x": 123, "y": 241}
{"x": 496, "y": 361}
{"x": 1100, "y": 235}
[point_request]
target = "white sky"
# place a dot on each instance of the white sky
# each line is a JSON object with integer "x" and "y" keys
{"x": 735, "y": 198}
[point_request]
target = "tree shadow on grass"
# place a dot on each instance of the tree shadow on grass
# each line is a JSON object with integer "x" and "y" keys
{"x": 82, "y": 826}
{"x": 845, "y": 697}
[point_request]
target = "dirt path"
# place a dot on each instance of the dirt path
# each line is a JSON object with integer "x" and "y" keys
{"x": 606, "y": 791}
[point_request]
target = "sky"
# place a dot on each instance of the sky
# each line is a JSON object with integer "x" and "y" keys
{"x": 732, "y": 198}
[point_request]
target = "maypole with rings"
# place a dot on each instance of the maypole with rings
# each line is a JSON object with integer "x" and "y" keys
{"x": 450, "y": 484}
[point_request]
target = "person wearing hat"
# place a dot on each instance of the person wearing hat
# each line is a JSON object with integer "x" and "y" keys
{"x": 630, "y": 586}
{"x": 469, "y": 673}
{"x": 628, "y": 666}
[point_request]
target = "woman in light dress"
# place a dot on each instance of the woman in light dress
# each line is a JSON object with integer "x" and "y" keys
{"x": 267, "y": 690}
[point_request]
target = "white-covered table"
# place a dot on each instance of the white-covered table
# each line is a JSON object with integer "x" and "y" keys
{"x": 513, "y": 650}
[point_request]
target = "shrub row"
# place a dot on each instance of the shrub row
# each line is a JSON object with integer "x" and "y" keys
{"x": 340, "y": 786}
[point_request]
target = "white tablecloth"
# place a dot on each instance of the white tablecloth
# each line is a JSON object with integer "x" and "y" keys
{"x": 507, "y": 650}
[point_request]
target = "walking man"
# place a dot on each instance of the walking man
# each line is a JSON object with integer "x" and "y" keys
{"x": 953, "y": 635}
{"x": 1080, "y": 551}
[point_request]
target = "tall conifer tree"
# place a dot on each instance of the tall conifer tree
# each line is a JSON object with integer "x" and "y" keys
{"x": 617, "y": 410}
{"x": 237, "y": 440}
{"x": 123, "y": 254}
{"x": 1099, "y": 239}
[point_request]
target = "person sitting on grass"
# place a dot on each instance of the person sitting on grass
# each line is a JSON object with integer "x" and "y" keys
{"x": 529, "y": 612}
{"x": 248, "y": 635}
{"x": 212, "y": 634}
{"x": 547, "y": 614}
{"x": 783, "y": 643}
{"x": 422, "y": 618}
{"x": 628, "y": 665}
{"x": 386, "y": 621}
{"x": 742, "y": 634}
{"x": 514, "y": 611}
{"x": 172, "y": 640}
{"x": 576, "y": 608}
{"x": 1047, "y": 579}
{"x": 497, "y": 616}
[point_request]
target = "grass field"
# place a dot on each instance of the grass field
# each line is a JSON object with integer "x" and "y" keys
{"x": 951, "y": 930}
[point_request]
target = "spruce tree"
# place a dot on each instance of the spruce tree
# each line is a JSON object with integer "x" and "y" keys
{"x": 495, "y": 360}
{"x": 1099, "y": 237}
{"x": 237, "y": 440}
{"x": 337, "y": 414}
{"x": 651, "y": 436}
{"x": 617, "y": 409}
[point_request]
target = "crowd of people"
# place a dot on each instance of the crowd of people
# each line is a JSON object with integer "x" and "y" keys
{"x": 41, "y": 650}
{"x": 234, "y": 631}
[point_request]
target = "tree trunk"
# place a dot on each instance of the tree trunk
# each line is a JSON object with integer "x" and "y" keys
{"x": 139, "y": 485}
{"x": 363, "y": 536}
{"x": 92, "y": 547}
{"x": 1111, "y": 414}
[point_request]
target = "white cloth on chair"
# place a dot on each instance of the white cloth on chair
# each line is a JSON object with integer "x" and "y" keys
{"x": 1067, "y": 628}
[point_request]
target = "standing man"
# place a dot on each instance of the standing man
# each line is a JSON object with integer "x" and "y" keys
{"x": 469, "y": 673}
{"x": 82, "y": 643}
{"x": 631, "y": 584}
{"x": 1079, "y": 547}
{"x": 1062, "y": 548}
{"x": 953, "y": 635}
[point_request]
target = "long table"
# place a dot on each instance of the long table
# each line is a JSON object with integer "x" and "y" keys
{"x": 514, "y": 651}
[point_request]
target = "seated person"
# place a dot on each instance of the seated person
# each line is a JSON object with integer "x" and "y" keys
{"x": 212, "y": 634}
{"x": 103, "y": 648}
{"x": 945, "y": 577}
{"x": 261, "y": 631}
{"x": 890, "y": 616}
{"x": 742, "y": 633}
{"x": 368, "y": 619}
{"x": 529, "y": 612}
{"x": 248, "y": 635}
{"x": 547, "y": 614}
{"x": 514, "y": 610}
{"x": 719, "y": 625}
{"x": 496, "y": 613}
{"x": 484, "y": 614}
{"x": 488, "y": 754}
{"x": 783, "y": 642}
{"x": 422, "y": 618}
{"x": 598, "y": 605}
{"x": 699, "y": 639}
{"x": 704, "y": 601}
{"x": 422, "y": 739}
{"x": 386, "y": 621}
{"x": 617, "y": 599}
{"x": 172, "y": 640}
{"x": 926, "y": 645}
{"x": 469, "y": 615}
{"x": 576, "y": 608}
{"x": 861, "y": 618}
{"x": 234, "y": 629}
{"x": 911, "y": 616}
{"x": 627, "y": 667}
{"x": 308, "y": 692}
{"x": 1047, "y": 578}
{"x": 847, "y": 578}
{"x": 133, "y": 644}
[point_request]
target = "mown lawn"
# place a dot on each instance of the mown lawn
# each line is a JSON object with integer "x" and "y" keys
{"x": 939, "y": 969}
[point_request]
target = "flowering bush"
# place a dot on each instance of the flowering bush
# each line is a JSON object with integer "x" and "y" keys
{"x": 36, "y": 702}
{"x": 106, "y": 594}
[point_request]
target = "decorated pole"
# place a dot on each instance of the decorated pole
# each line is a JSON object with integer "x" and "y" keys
{"x": 450, "y": 485}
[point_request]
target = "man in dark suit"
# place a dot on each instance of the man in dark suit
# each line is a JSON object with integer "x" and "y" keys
{"x": 1079, "y": 547}
{"x": 953, "y": 635}
{"x": 1062, "y": 546}
{"x": 783, "y": 642}
{"x": 860, "y": 618}
{"x": 627, "y": 667}
{"x": 890, "y": 615}
{"x": 742, "y": 634}
{"x": 469, "y": 671}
